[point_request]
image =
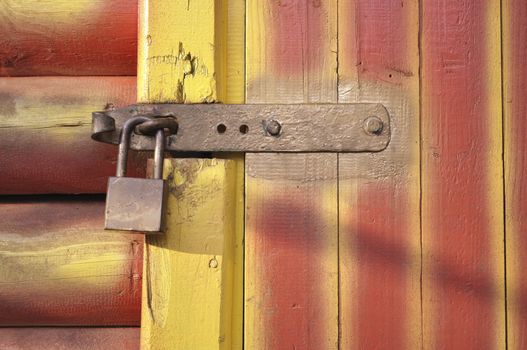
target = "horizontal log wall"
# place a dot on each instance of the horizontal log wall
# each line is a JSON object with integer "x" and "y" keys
{"x": 68, "y": 37}
{"x": 45, "y": 128}
{"x": 69, "y": 338}
{"x": 59, "y": 267}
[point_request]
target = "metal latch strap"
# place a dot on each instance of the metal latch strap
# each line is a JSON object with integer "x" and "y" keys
{"x": 360, "y": 127}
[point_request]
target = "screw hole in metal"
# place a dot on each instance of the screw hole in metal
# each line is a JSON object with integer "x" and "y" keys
{"x": 221, "y": 128}
{"x": 244, "y": 129}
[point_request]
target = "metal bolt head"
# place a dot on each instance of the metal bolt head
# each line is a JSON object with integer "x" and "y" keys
{"x": 273, "y": 127}
{"x": 213, "y": 263}
{"x": 373, "y": 125}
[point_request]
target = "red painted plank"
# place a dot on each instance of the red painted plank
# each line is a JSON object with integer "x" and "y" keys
{"x": 462, "y": 215}
{"x": 291, "y": 266}
{"x": 515, "y": 83}
{"x": 45, "y": 125}
{"x": 378, "y": 193}
{"x": 62, "y": 37}
{"x": 291, "y": 255}
{"x": 69, "y": 338}
{"x": 59, "y": 267}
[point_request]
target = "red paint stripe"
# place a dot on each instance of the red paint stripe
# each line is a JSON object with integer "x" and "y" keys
{"x": 381, "y": 236}
{"x": 383, "y": 45}
{"x": 297, "y": 37}
{"x": 516, "y": 133}
{"x": 383, "y": 260}
{"x": 101, "y": 41}
{"x": 456, "y": 146}
{"x": 289, "y": 234}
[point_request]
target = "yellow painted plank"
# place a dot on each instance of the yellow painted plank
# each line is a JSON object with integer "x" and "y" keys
{"x": 192, "y": 296}
{"x": 291, "y": 272}
{"x": 177, "y": 52}
{"x": 188, "y": 271}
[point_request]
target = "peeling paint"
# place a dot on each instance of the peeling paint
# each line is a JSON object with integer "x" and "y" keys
{"x": 181, "y": 68}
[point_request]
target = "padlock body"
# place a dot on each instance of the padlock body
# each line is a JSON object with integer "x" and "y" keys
{"x": 136, "y": 204}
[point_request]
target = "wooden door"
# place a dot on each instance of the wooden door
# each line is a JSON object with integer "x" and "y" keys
{"x": 417, "y": 246}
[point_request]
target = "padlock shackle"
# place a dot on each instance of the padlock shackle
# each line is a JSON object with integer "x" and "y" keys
{"x": 124, "y": 143}
{"x": 159, "y": 153}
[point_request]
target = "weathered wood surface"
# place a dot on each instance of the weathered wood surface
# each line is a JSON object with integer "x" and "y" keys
{"x": 187, "y": 296}
{"x": 66, "y": 37}
{"x": 59, "y": 267}
{"x": 70, "y": 338}
{"x": 186, "y": 64}
{"x": 462, "y": 176}
{"x": 291, "y": 267}
{"x": 192, "y": 295}
{"x": 45, "y": 127}
{"x": 379, "y": 239}
{"x": 515, "y": 131}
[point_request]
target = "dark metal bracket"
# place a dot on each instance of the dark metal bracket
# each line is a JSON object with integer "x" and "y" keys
{"x": 360, "y": 127}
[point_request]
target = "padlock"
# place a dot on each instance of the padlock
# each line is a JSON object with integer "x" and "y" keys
{"x": 137, "y": 204}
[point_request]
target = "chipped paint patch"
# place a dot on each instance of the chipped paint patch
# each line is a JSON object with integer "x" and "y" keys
{"x": 187, "y": 75}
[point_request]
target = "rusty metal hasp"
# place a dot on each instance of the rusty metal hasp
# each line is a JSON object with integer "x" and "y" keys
{"x": 360, "y": 127}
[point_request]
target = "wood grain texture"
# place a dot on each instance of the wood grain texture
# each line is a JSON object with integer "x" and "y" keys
{"x": 515, "y": 131}
{"x": 379, "y": 238}
{"x": 193, "y": 295}
{"x": 59, "y": 267}
{"x": 291, "y": 272}
{"x": 462, "y": 199}
{"x": 69, "y": 338}
{"x": 179, "y": 65}
{"x": 187, "y": 295}
{"x": 63, "y": 37}
{"x": 291, "y": 251}
{"x": 45, "y": 128}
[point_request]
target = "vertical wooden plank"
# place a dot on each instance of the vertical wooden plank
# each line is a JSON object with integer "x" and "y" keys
{"x": 177, "y": 52}
{"x": 188, "y": 276}
{"x": 379, "y": 240}
{"x": 193, "y": 272}
{"x": 230, "y": 58}
{"x": 514, "y": 36}
{"x": 291, "y": 293}
{"x": 462, "y": 188}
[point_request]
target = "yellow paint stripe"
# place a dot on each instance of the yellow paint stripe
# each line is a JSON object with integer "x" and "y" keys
{"x": 511, "y": 152}
{"x": 192, "y": 52}
{"x": 187, "y": 285}
{"x": 495, "y": 165}
{"x": 177, "y": 52}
